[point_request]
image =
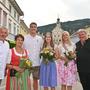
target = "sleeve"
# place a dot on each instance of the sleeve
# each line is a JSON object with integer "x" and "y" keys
{"x": 55, "y": 46}
{"x": 59, "y": 48}
{"x": 9, "y": 57}
{"x": 57, "y": 52}
{"x": 42, "y": 41}
{"x": 27, "y": 53}
{"x": 24, "y": 43}
{"x": 78, "y": 46}
{"x": 87, "y": 46}
{"x": 56, "y": 49}
{"x": 74, "y": 46}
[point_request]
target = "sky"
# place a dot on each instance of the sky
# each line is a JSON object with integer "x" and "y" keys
{"x": 47, "y": 11}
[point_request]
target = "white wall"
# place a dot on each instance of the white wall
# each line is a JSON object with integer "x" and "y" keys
{"x": 10, "y": 15}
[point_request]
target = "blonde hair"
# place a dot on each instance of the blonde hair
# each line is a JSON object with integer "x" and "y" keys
{"x": 69, "y": 39}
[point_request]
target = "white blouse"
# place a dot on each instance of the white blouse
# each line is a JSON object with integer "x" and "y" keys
{"x": 62, "y": 50}
{"x": 16, "y": 53}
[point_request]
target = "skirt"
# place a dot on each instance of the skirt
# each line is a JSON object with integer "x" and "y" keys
{"x": 48, "y": 74}
{"x": 22, "y": 83}
{"x": 67, "y": 75}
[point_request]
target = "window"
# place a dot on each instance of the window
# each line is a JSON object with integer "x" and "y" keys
{"x": 58, "y": 36}
{"x": 17, "y": 29}
{"x": 4, "y": 1}
{"x": 0, "y": 15}
{"x": 10, "y": 25}
{"x": 17, "y": 17}
{"x": 54, "y": 35}
{"x": 14, "y": 14}
{"x": 4, "y": 18}
{"x": 10, "y": 8}
{"x": 14, "y": 29}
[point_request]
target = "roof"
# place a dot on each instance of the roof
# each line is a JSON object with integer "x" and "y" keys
{"x": 16, "y": 6}
{"x": 24, "y": 24}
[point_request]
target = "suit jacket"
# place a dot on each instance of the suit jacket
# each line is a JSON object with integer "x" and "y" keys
{"x": 83, "y": 56}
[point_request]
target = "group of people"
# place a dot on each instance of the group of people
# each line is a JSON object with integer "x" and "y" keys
{"x": 59, "y": 71}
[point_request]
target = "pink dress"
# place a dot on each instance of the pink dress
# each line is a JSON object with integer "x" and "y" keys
{"x": 67, "y": 75}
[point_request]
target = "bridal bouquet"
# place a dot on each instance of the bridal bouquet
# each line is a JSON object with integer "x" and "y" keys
{"x": 70, "y": 56}
{"x": 47, "y": 55}
{"x": 25, "y": 63}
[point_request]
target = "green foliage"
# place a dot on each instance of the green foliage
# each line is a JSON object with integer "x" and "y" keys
{"x": 11, "y": 43}
{"x": 47, "y": 56}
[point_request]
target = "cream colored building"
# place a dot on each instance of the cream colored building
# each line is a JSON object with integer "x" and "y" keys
{"x": 10, "y": 13}
{"x": 57, "y": 32}
{"x": 4, "y": 13}
{"x": 23, "y": 28}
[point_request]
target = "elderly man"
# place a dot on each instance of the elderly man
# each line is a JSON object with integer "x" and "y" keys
{"x": 4, "y": 49}
{"x": 83, "y": 58}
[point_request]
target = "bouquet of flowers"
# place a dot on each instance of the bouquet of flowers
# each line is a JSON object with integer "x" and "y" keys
{"x": 25, "y": 63}
{"x": 47, "y": 55}
{"x": 70, "y": 56}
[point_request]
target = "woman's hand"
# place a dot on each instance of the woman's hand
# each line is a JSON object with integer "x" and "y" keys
{"x": 64, "y": 58}
{"x": 17, "y": 68}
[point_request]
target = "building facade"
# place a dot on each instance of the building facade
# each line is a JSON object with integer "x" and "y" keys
{"x": 57, "y": 32}
{"x": 4, "y": 13}
{"x": 10, "y": 13}
{"x": 23, "y": 28}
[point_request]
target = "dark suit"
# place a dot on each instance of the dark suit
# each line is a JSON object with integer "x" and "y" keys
{"x": 83, "y": 63}
{"x": 0, "y": 81}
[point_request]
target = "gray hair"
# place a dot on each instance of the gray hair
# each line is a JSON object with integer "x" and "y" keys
{"x": 81, "y": 30}
{"x": 2, "y": 27}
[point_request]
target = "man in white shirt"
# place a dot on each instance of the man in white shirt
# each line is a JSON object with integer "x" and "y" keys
{"x": 4, "y": 50}
{"x": 33, "y": 43}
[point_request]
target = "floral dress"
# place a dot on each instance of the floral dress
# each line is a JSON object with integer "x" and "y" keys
{"x": 66, "y": 74}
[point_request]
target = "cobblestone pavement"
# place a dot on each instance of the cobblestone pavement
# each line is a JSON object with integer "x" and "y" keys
{"x": 76, "y": 87}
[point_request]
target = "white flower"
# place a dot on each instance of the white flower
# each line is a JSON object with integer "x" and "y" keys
{"x": 51, "y": 53}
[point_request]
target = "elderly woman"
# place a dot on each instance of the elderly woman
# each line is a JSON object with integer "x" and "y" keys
{"x": 13, "y": 82}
